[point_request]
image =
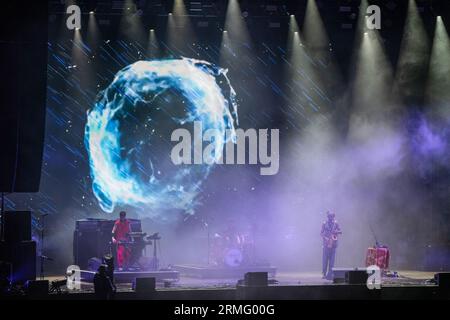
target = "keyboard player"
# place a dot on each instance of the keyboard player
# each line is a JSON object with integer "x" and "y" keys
{"x": 120, "y": 237}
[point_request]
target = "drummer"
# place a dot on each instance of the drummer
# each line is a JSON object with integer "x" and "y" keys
{"x": 232, "y": 235}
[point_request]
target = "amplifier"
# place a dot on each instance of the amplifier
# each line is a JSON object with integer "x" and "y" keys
{"x": 356, "y": 277}
{"x": 144, "y": 285}
{"x": 340, "y": 275}
{"x": 443, "y": 279}
{"x": 256, "y": 279}
{"x": 92, "y": 237}
{"x": 37, "y": 288}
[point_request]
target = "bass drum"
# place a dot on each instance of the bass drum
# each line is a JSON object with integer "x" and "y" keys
{"x": 233, "y": 257}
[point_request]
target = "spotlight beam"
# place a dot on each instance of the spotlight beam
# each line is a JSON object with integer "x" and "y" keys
{"x": 131, "y": 25}
{"x": 438, "y": 86}
{"x": 235, "y": 38}
{"x": 373, "y": 74}
{"x": 319, "y": 46}
{"x": 414, "y": 57}
{"x": 153, "y": 49}
{"x": 179, "y": 26}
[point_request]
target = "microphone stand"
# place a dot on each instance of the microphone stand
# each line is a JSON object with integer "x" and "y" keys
{"x": 377, "y": 244}
{"x": 2, "y": 229}
{"x": 42, "y": 245}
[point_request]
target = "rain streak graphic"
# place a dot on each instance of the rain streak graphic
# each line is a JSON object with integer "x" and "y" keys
{"x": 128, "y": 130}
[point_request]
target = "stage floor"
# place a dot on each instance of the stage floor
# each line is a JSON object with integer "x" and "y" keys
{"x": 405, "y": 278}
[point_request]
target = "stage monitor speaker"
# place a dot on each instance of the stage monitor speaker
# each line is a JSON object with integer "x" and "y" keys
{"x": 17, "y": 226}
{"x": 356, "y": 277}
{"x": 37, "y": 288}
{"x": 144, "y": 285}
{"x": 339, "y": 274}
{"x": 256, "y": 279}
{"x": 22, "y": 256}
{"x": 23, "y": 61}
{"x": 443, "y": 279}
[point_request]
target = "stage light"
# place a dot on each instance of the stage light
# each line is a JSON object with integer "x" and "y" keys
{"x": 438, "y": 84}
{"x": 293, "y": 26}
{"x": 81, "y": 57}
{"x": 313, "y": 28}
{"x": 153, "y": 50}
{"x": 413, "y": 57}
{"x": 226, "y": 50}
{"x": 93, "y": 34}
{"x": 297, "y": 71}
{"x": 179, "y": 27}
{"x": 131, "y": 23}
{"x": 373, "y": 70}
{"x": 236, "y": 41}
{"x": 235, "y": 23}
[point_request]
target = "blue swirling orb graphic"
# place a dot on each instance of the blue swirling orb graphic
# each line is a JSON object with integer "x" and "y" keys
{"x": 128, "y": 130}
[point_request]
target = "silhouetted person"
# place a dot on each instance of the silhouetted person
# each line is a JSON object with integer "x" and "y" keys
{"x": 103, "y": 287}
{"x": 108, "y": 260}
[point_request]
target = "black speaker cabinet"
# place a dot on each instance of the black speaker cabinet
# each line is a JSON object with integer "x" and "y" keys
{"x": 22, "y": 256}
{"x": 443, "y": 279}
{"x": 17, "y": 226}
{"x": 23, "y": 58}
{"x": 37, "y": 288}
{"x": 144, "y": 285}
{"x": 356, "y": 277}
{"x": 256, "y": 279}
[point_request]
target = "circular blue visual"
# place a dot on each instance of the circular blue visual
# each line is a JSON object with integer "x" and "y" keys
{"x": 128, "y": 132}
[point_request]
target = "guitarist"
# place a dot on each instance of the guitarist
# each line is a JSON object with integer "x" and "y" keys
{"x": 330, "y": 231}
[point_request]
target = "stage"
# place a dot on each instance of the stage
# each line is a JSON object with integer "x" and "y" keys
{"x": 285, "y": 286}
{"x": 225, "y": 150}
{"x": 207, "y": 272}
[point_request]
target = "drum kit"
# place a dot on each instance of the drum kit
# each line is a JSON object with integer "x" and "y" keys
{"x": 232, "y": 250}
